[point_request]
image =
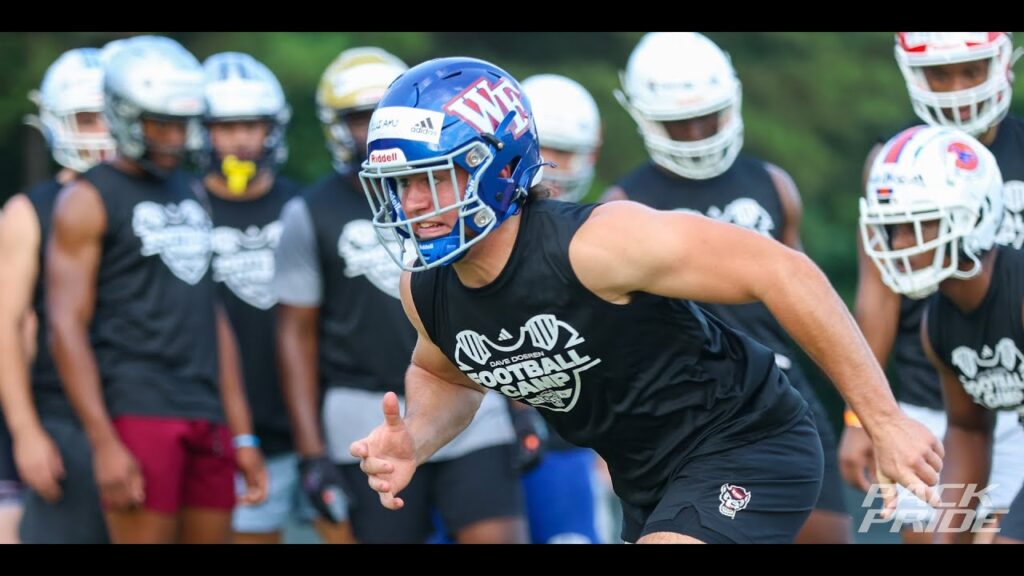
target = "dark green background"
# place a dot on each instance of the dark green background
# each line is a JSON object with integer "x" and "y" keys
{"x": 813, "y": 103}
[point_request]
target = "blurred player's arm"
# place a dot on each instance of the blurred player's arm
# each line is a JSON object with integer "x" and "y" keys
{"x": 876, "y": 307}
{"x": 298, "y": 285}
{"x": 877, "y": 312}
{"x": 968, "y": 443}
{"x": 248, "y": 456}
{"x": 73, "y": 258}
{"x": 19, "y": 267}
{"x": 792, "y": 205}
{"x": 37, "y": 457}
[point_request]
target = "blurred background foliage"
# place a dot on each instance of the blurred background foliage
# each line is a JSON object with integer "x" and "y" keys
{"x": 813, "y": 103}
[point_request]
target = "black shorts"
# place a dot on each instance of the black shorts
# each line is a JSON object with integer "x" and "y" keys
{"x": 10, "y": 485}
{"x": 480, "y": 485}
{"x": 832, "y": 497}
{"x": 762, "y": 492}
{"x": 1012, "y": 525}
{"x": 77, "y": 517}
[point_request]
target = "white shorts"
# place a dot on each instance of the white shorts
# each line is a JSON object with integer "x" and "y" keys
{"x": 1007, "y": 462}
{"x": 285, "y": 499}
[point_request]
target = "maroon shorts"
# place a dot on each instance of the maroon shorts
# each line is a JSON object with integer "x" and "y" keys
{"x": 185, "y": 463}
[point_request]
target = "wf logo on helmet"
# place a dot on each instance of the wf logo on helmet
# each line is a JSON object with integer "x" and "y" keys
{"x": 483, "y": 106}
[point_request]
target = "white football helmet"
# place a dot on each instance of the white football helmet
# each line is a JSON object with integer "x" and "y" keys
{"x": 72, "y": 84}
{"x": 567, "y": 120}
{"x": 111, "y": 48}
{"x": 239, "y": 87}
{"x": 927, "y": 174}
{"x": 677, "y": 76}
{"x": 987, "y": 102}
{"x": 151, "y": 76}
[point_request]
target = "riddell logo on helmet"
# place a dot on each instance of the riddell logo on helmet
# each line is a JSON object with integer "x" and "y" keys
{"x": 387, "y": 156}
{"x": 483, "y": 106}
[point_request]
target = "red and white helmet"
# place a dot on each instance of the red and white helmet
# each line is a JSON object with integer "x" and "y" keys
{"x": 986, "y": 104}
{"x": 931, "y": 174}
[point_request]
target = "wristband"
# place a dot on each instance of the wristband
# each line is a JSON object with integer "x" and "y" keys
{"x": 850, "y": 419}
{"x": 245, "y": 441}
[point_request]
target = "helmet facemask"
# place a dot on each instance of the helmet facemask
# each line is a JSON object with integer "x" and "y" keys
{"x": 696, "y": 159}
{"x": 571, "y": 179}
{"x": 674, "y": 76}
{"x": 71, "y": 91}
{"x": 985, "y": 104}
{"x": 474, "y": 219}
{"x": 441, "y": 115}
{"x": 346, "y": 153}
{"x": 239, "y": 88}
{"x": 945, "y": 187}
{"x": 569, "y": 129}
{"x": 953, "y": 224}
{"x": 153, "y": 78}
{"x": 352, "y": 84}
{"x": 71, "y": 146}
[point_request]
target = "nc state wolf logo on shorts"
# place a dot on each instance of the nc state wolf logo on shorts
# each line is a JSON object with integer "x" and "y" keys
{"x": 733, "y": 498}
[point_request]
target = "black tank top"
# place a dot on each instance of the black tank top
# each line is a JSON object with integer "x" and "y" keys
{"x": 983, "y": 347}
{"x": 154, "y": 328}
{"x": 365, "y": 339}
{"x": 245, "y": 235}
{"x": 744, "y": 195}
{"x": 47, "y": 392}
{"x": 919, "y": 384}
{"x": 647, "y": 385}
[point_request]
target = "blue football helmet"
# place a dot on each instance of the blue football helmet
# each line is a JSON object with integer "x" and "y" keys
{"x": 440, "y": 115}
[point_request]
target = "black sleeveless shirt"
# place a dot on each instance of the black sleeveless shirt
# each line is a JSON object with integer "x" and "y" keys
{"x": 647, "y": 385}
{"x": 154, "y": 327}
{"x": 983, "y": 347}
{"x": 244, "y": 237}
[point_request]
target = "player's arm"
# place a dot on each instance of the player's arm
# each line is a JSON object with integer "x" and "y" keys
{"x": 968, "y": 440}
{"x": 687, "y": 256}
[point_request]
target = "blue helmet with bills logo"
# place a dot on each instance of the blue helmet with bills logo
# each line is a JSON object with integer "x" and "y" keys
{"x": 456, "y": 120}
